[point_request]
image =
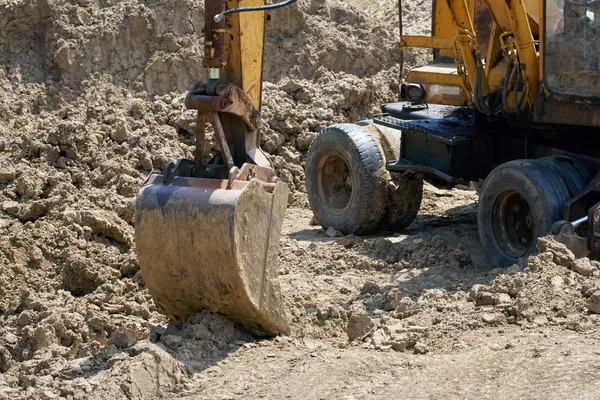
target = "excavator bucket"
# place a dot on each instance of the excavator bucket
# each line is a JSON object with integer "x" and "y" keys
{"x": 213, "y": 244}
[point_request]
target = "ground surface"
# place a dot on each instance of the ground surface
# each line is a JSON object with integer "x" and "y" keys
{"x": 92, "y": 101}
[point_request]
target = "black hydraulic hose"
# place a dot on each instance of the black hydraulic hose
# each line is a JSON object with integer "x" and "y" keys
{"x": 219, "y": 17}
{"x": 508, "y": 75}
{"x": 477, "y": 99}
{"x": 480, "y": 102}
{"x": 519, "y": 102}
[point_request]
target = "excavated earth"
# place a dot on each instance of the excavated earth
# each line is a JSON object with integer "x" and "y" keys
{"x": 91, "y": 101}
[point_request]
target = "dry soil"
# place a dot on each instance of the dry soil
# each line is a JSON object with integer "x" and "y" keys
{"x": 91, "y": 101}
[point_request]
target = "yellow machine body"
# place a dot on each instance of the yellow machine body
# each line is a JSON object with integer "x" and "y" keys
{"x": 552, "y": 48}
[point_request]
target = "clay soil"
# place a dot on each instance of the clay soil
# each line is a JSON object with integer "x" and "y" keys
{"x": 91, "y": 102}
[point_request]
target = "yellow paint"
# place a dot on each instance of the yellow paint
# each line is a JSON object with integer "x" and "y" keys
{"x": 527, "y": 53}
{"x": 432, "y": 42}
{"x": 246, "y": 44}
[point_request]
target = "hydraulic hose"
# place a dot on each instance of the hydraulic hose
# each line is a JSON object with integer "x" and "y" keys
{"x": 519, "y": 102}
{"x": 481, "y": 104}
{"x": 508, "y": 77}
{"x": 219, "y": 17}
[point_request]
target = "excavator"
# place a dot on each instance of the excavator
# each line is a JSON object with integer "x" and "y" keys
{"x": 510, "y": 104}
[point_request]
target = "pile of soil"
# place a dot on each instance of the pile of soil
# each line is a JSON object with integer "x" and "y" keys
{"x": 92, "y": 102}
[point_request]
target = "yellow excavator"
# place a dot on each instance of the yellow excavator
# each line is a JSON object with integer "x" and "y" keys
{"x": 510, "y": 102}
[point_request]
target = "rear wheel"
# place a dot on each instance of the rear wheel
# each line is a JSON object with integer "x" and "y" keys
{"x": 519, "y": 202}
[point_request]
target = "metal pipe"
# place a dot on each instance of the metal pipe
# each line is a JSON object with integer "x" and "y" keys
{"x": 580, "y": 222}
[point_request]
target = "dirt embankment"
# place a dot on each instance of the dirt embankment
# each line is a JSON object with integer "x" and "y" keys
{"x": 92, "y": 102}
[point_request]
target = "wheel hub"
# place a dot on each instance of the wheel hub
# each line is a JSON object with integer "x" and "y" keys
{"x": 513, "y": 224}
{"x": 335, "y": 183}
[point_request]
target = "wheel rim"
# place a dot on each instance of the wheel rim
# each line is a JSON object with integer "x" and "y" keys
{"x": 512, "y": 223}
{"x": 335, "y": 183}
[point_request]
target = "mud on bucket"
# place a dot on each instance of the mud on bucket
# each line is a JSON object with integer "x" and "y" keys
{"x": 202, "y": 246}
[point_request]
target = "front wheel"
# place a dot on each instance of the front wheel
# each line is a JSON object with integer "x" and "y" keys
{"x": 349, "y": 187}
{"x": 345, "y": 179}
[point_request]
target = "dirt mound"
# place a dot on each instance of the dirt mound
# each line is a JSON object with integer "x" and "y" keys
{"x": 92, "y": 102}
{"x": 554, "y": 290}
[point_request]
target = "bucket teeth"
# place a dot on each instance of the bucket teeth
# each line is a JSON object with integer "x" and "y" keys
{"x": 203, "y": 246}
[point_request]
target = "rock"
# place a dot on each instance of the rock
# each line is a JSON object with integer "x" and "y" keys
{"x": 392, "y": 299}
{"x": 536, "y": 263}
{"x": 589, "y": 288}
{"x": 349, "y": 241}
{"x": 404, "y": 341}
{"x": 121, "y": 338}
{"x": 11, "y": 207}
{"x": 582, "y": 266}
{"x": 332, "y": 232}
{"x": 432, "y": 295}
{"x": 44, "y": 336}
{"x": 6, "y": 174}
{"x": 137, "y": 107}
{"x": 120, "y": 132}
{"x": 10, "y": 338}
{"x": 513, "y": 269}
{"x": 25, "y": 318}
{"x": 171, "y": 341}
{"x": 80, "y": 277}
{"x": 593, "y": 303}
{"x": 474, "y": 290}
{"x": 304, "y": 140}
{"x": 290, "y": 85}
{"x": 382, "y": 246}
{"x": 6, "y": 360}
{"x": 370, "y": 288}
{"x": 130, "y": 267}
{"x": 406, "y": 308}
{"x": 97, "y": 322}
{"x": 359, "y": 323}
{"x": 491, "y": 299}
{"x": 540, "y": 320}
{"x": 561, "y": 254}
{"x": 421, "y": 348}
{"x": 102, "y": 222}
{"x": 109, "y": 351}
{"x": 378, "y": 339}
{"x": 493, "y": 318}
{"x": 557, "y": 281}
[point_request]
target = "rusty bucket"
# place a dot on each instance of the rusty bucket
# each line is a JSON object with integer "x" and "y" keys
{"x": 213, "y": 244}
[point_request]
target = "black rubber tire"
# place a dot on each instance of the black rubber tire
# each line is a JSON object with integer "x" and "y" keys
{"x": 403, "y": 200}
{"x": 358, "y": 209}
{"x": 543, "y": 187}
{"x": 573, "y": 172}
